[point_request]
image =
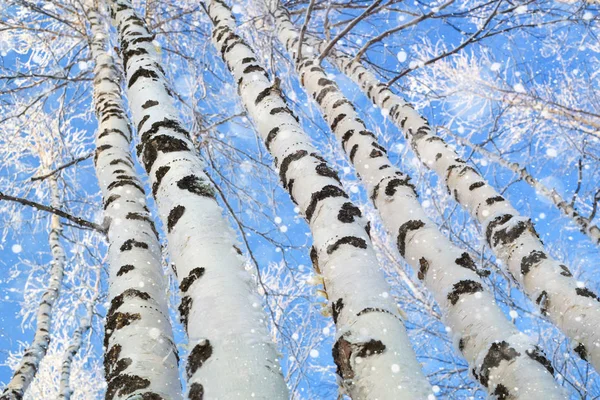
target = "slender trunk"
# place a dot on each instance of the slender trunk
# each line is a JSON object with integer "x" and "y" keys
{"x": 586, "y": 226}
{"x": 450, "y": 274}
{"x": 140, "y": 354}
{"x": 231, "y": 356}
{"x": 572, "y": 308}
{"x": 370, "y": 332}
{"x": 25, "y": 372}
{"x": 64, "y": 391}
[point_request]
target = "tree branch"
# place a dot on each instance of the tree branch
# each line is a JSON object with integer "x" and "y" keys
{"x": 67, "y": 165}
{"x": 79, "y": 221}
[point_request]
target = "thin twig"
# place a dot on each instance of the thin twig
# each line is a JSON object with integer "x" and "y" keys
{"x": 303, "y": 30}
{"x": 347, "y": 29}
{"x": 67, "y": 165}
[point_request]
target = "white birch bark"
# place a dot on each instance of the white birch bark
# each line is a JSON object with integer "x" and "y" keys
{"x": 64, "y": 391}
{"x": 573, "y": 308}
{"x": 373, "y": 354}
{"x": 25, "y": 372}
{"x": 140, "y": 354}
{"x": 502, "y": 359}
{"x": 231, "y": 355}
{"x": 585, "y": 225}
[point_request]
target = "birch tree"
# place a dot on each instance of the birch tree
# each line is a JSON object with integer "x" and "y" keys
{"x": 512, "y": 237}
{"x": 219, "y": 308}
{"x": 449, "y": 272}
{"x": 37, "y": 350}
{"x": 370, "y": 334}
{"x": 140, "y": 355}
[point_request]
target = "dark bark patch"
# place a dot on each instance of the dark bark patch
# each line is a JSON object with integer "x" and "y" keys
{"x": 347, "y": 137}
{"x": 324, "y": 92}
{"x": 336, "y": 121}
{"x": 174, "y": 216}
{"x": 196, "y": 185}
{"x": 160, "y": 174}
{"x": 543, "y": 302}
{"x": 347, "y": 213}
{"x": 350, "y": 240}
{"x": 111, "y": 198}
{"x": 324, "y": 170}
{"x": 476, "y": 185}
{"x": 498, "y": 352}
{"x": 344, "y": 352}
{"x": 353, "y": 151}
{"x": 336, "y": 308}
{"x": 195, "y": 274}
{"x": 285, "y": 164}
{"x": 196, "y": 392}
{"x": 501, "y": 392}
{"x": 315, "y": 259}
{"x": 585, "y": 292}
{"x": 166, "y": 123}
{"x": 565, "y": 271}
{"x": 149, "y": 103}
{"x": 406, "y": 227}
{"x": 538, "y": 355}
{"x": 423, "y": 268}
{"x": 164, "y": 144}
{"x": 531, "y": 260}
{"x": 131, "y": 243}
{"x": 270, "y": 137}
{"x": 262, "y": 95}
{"x": 124, "y": 384}
{"x": 394, "y": 184}
{"x": 198, "y": 356}
{"x": 340, "y": 102}
{"x": 463, "y": 287}
{"x": 141, "y": 217}
{"x": 116, "y": 321}
{"x": 581, "y": 351}
{"x": 142, "y": 73}
{"x": 184, "y": 310}
{"x": 324, "y": 193}
{"x": 283, "y": 110}
{"x": 125, "y": 269}
{"x": 495, "y": 199}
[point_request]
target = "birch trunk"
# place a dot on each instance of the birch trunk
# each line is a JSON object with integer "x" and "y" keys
{"x": 573, "y": 308}
{"x": 585, "y": 225}
{"x": 140, "y": 354}
{"x": 502, "y": 359}
{"x": 25, "y": 372}
{"x": 231, "y": 355}
{"x": 64, "y": 390}
{"x": 373, "y": 354}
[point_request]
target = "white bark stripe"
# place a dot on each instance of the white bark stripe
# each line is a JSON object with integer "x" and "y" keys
{"x": 140, "y": 354}
{"x": 373, "y": 354}
{"x": 574, "y": 309}
{"x": 25, "y": 372}
{"x": 501, "y": 357}
{"x": 231, "y": 356}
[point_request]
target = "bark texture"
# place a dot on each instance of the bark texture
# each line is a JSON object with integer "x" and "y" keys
{"x": 373, "y": 354}
{"x": 25, "y": 372}
{"x": 231, "y": 356}
{"x": 140, "y": 354}
{"x": 573, "y": 308}
{"x": 478, "y": 324}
